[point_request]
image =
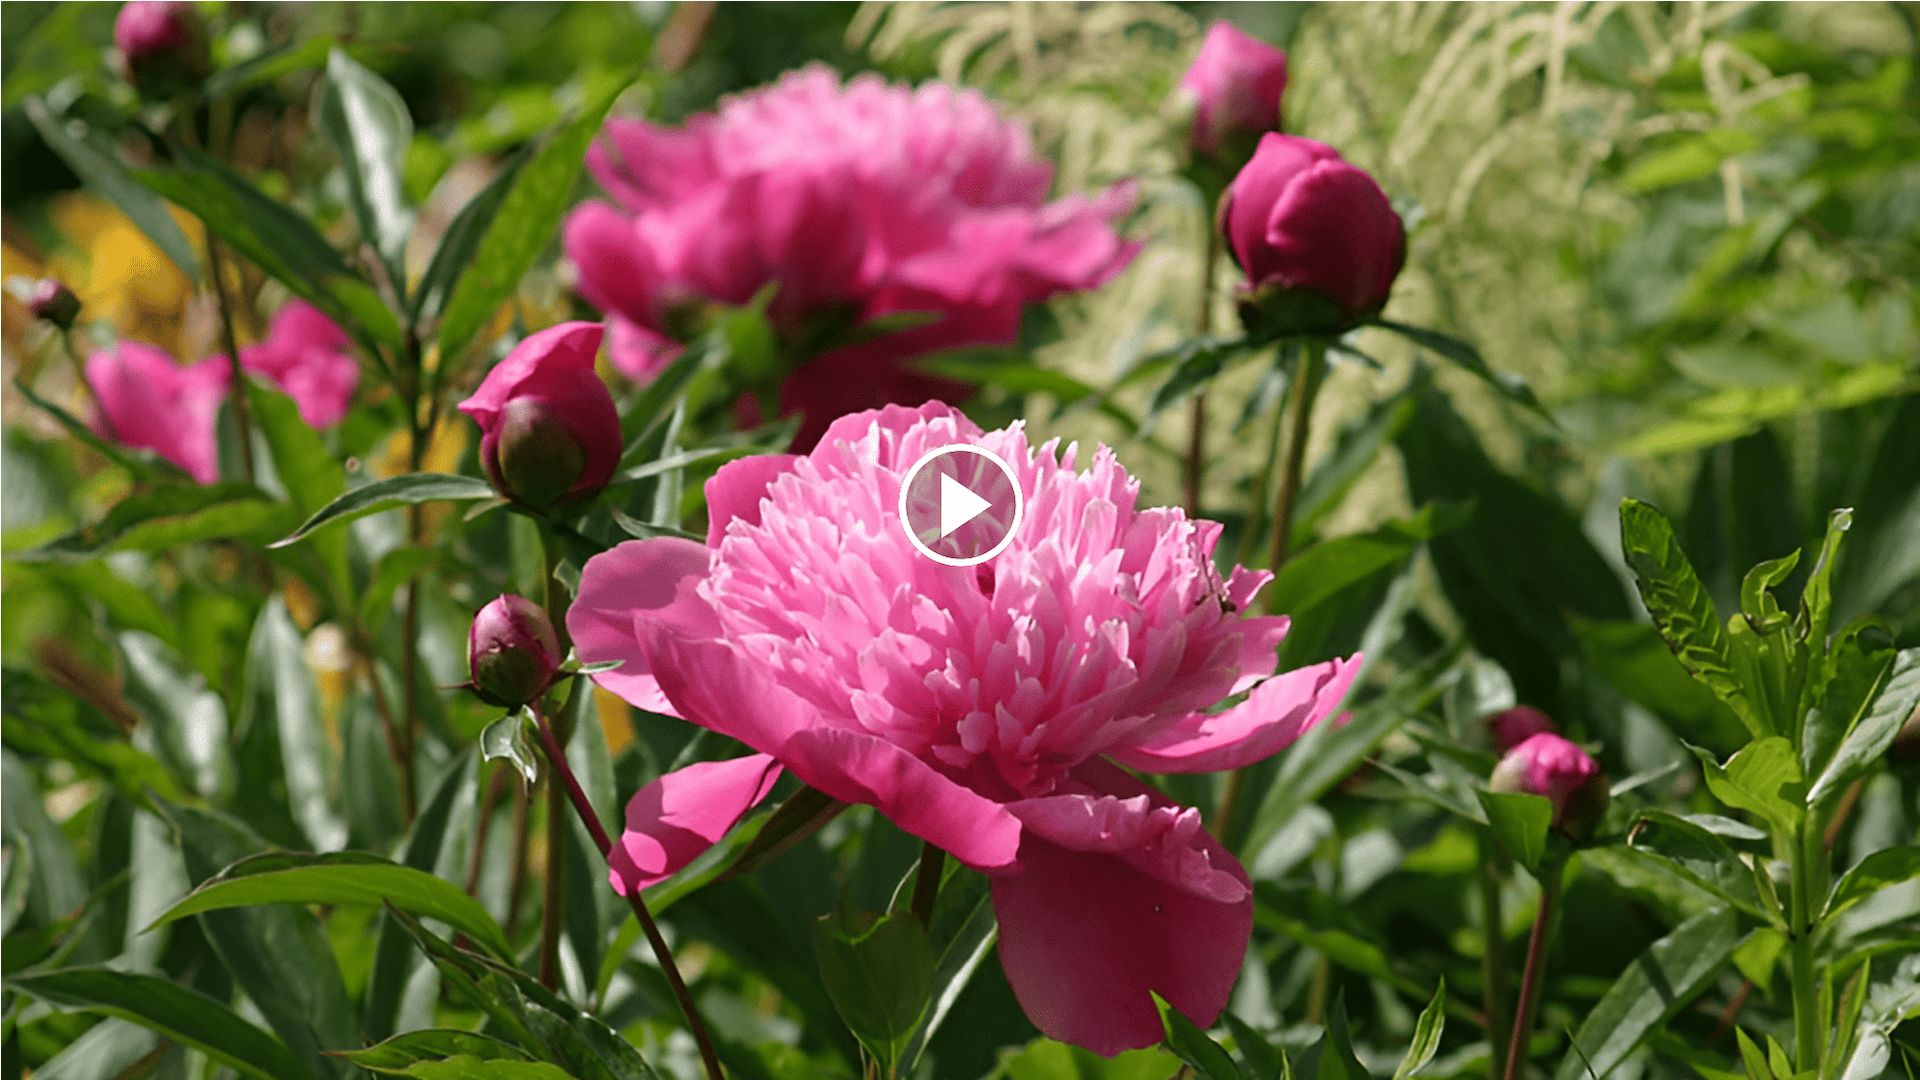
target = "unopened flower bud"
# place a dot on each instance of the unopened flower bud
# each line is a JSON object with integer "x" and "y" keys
{"x": 539, "y": 458}
{"x": 548, "y": 429}
{"x": 1235, "y": 83}
{"x": 1573, "y": 782}
{"x": 1518, "y": 724}
{"x": 512, "y": 651}
{"x": 163, "y": 46}
{"x": 55, "y": 303}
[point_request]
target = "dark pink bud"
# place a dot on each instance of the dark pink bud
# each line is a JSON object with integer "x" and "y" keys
{"x": 1517, "y": 725}
{"x": 163, "y": 46}
{"x": 1318, "y": 241}
{"x": 54, "y": 302}
{"x": 549, "y": 431}
{"x": 1549, "y": 765}
{"x": 512, "y": 651}
{"x": 1236, "y": 82}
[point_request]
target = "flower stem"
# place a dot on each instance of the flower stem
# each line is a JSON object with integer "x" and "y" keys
{"x": 1306, "y": 387}
{"x": 584, "y": 810}
{"x": 517, "y": 884}
{"x": 1530, "y": 978}
{"x": 1493, "y": 966}
{"x": 242, "y": 415}
{"x": 926, "y": 882}
{"x": 554, "y": 880}
{"x": 1804, "y": 846}
{"x": 1197, "y": 428}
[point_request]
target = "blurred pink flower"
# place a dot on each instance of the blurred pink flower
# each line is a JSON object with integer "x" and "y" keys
{"x": 1236, "y": 82}
{"x": 164, "y": 46}
{"x": 310, "y": 358}
{"x": 148, "y": 401}
{"x": 858, "y": 199}
{"x": 987, "y": 709}
{"x": 1518, "y": 724}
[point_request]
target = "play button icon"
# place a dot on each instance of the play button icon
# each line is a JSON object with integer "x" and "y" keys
{"x": 960, "y": 505}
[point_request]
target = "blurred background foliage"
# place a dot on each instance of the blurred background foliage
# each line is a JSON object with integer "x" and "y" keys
{"x": 1693, "y": 228}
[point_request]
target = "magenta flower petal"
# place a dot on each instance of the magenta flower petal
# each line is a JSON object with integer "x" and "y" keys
{"x": 148, "y": 401}
{"x": 657, "y": 580}
{"x": 675, "y": 818}
{"x": 1278, "y": 711}
{"x": 619, "y": 273}
{"x": 1085, "y": 935}
{"x": 308, "y": 356}
{"x": 1236, "y": 82}
{"x": 710, "y": 683}
{"x": 738, "y": 488}
{"x": 858, "y": 768}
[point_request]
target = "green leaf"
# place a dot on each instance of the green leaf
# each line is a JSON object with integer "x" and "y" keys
{"x": 430, "y": 1044}
{"x": 1850, "y": 678}
{"x": 101, "y": 171}
{"x": 1259, "y": 1059}
{"x": 1816, "y": 597}
{"x": 276, "y": 239}
{"x": 961, "y": 929}
{"x": 347, "y": 877}
{"x": 462, "y": 239}
{"x": 143, "y": 464}
{"x": 510, "y": 737}
{"x": 1655, "y": 985}
{"x": 268, "y": 67}
{"x": 279, "y": 956}
{"x": 1694, "y": 157}
{"x": 798, "y": 816}
{"x": 281, "y": 740}
{"x": 1633, "y": 657}
{"x": 165, "y": 516}
{"x": 369, "y": 127}
{"x": 1329, "y": 568}
{"x": 1752, "y": 1057}
{"x": 1426, "y": 1035}
{"x": 1683, "y": 611}
{"x": 178, "y": 1013}
{"x": 1332, "y": 1058}
{"x": 1889, "y": 866}
{"x": 1355, "y": 447}
{"x": 879, "y": 973}
{"x": 1521, "y": 822}
{"x": 526, "y": 222}
{"x": 1756, "y": 778}
{"x": 43, "y": 720}
{"x": 1196, "y": 363}
{"x": 469, "y": 1068}
{"x": 1866, "y": 745}
{"x": 396, "y": 568}
{"x": 393, "y": 958}
{"x": 1209, "y": 1060}
{"x": 397, "y": 491}
{"x": 1700, "y": 857}
{"x": 1508, "y": 385}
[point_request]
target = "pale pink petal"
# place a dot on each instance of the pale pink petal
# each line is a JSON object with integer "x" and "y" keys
{"x": 858, "y": 768}
{"x": 1260, "y": 637}
{"x": 653, "y": 579}
{"x": 675, "y": 818}
{"x": 1278, "y": 711}
{"x": 1086, "y": 938}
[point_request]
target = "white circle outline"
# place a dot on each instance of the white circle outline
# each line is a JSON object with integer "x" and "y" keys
{"x": 1019, "y": 503}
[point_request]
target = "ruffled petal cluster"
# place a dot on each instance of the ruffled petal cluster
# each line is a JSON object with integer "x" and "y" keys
{"x": 982, "y": 708}
{"x": 858, "y": 200}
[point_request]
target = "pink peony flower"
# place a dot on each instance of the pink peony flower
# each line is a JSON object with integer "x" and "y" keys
{"x": 164, "y": 46}
{"x": 310, "y": 358}
{"x": 986, "y": 709}
{"x": 1573, "y": 782}
{"x": 148, "y": 401}
{"x": 548, "y": 430}
{"x": 859, "y": 200}
{"x": 1236, "y": 82}
{"x": 1300, "y": 219}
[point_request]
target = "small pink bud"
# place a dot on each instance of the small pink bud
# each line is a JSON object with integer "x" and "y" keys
{"x": 548, "y": 429}
{"x": 512, "y": 651}
{"x": 1573, "y": 782}
{"x": 55, "y": 303}
{"x": 163, "y": 46}
{"x": 1518, "y": 724}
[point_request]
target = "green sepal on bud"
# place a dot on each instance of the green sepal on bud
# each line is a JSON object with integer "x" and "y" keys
{"x": 540, "y": 457}
{"x": 512, "y": 652}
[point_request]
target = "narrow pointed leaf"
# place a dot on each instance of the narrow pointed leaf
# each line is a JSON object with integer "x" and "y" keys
{"x": 388, "y": 494}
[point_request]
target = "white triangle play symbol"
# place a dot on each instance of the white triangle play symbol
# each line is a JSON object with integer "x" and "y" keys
{"x": 958, "y": 505}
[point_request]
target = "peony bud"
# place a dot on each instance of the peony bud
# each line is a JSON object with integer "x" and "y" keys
{"x": 512, "y": 651}
{"x": 1549, "y": 765}
{"x": 549, "y": 431}
{"x": 163, "y": 46}
{"x": 1517, "y": 725}
{"x": 1318, "y": 241}
{"x": 1236, "y": 82}
{"x": 54, "y": 302}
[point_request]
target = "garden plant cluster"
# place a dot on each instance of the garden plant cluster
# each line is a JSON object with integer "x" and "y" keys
{"x": 1433, "y": 589}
